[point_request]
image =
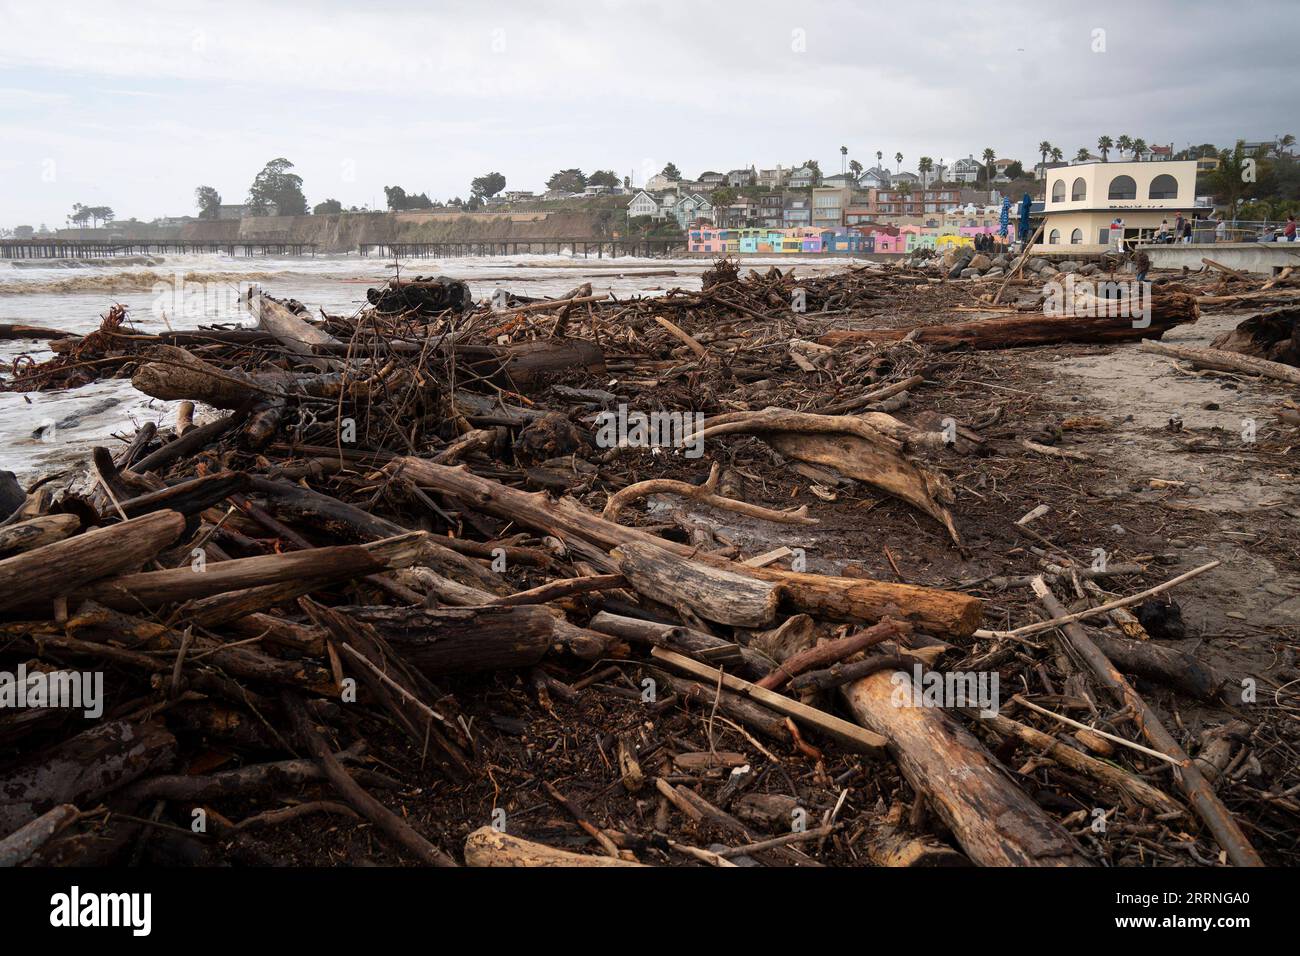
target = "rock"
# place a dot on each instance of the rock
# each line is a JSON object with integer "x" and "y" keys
{"x": 1069, "y": 265}
{"x": 1001, "y": 261}
{"x": 993, "y": 273}
{"x": 1035, "y": 264}
{"x": 969, "y": 273}
{"x": 980, "y": 261}
{"x": 1090, "y": 269}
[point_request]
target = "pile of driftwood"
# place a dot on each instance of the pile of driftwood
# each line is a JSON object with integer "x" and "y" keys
{"x": 395, "y": 523}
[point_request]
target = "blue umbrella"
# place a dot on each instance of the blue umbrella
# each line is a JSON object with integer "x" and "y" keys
{"x": 1004, "y": 216}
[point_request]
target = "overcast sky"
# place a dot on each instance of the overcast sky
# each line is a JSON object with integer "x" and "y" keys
{"x": 134, "y": 105}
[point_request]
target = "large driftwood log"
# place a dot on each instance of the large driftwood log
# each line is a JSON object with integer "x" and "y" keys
{"x": 294, "y": 333}
{"x": 1223, "y": 361}
{"x": 36, "y": 532}
{"x": 936, "y": 611}
{"x": 710, "y": 592}
{"x": 56, "y": 569}
{"x": 1169, "y": 308}
{"x": 82, "y": 769}
{"x": 870, "y": 447}
{"x": 153, "y": 588}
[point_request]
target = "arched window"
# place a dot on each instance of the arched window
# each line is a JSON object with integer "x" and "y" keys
{"x": 1058, "y": 191}
{"x": 1054, "y": 237}
{"x": 1079, "y": 190}
{"x": 1123, "y": 187}
{"x": 1163, "y": 186}
{"x": 1076, "y": 237}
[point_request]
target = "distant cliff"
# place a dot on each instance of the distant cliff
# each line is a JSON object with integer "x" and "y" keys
{"x": 344, "y": 231}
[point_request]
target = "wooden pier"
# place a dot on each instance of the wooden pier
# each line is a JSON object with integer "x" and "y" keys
{"x": 600, "y": 248}
{"x": 115, "y": 248}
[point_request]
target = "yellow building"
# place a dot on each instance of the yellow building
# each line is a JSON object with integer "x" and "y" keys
{"x": 1082, "y": 201}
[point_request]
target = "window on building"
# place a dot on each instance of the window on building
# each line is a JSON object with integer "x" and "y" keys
{"x": 1054, "y": 237}
{"x": 1076, "y": 237}
{"x": 1163, "y": 186}
{"x": 1079, "y": 191}
{"x": 1123, "y": 187}
{"x": 1058, "y": 191}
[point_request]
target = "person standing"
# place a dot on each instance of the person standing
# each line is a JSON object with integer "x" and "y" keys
{"x": 1178, "y": 224}
{"x": 1220, "y": 229}
{"x": 1187, "y": 231}
{"x": 1289, "y": 231}
{"x": 1117, "y": 232}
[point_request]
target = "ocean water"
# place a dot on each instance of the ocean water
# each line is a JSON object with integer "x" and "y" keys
{"x": 42, "y": 432}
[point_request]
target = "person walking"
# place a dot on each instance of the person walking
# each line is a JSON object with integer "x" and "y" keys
{"x": 1143, "y": 265}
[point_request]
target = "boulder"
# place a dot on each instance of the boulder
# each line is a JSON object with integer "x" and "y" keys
{"x": 980, "y": 261}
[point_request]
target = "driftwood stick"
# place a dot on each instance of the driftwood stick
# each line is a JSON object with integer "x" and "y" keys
{"x": 1207, "y": 805}
{"x": 705, "y": 494}
{"x": 370, "y": 808}
{"x": 828, "y": 652}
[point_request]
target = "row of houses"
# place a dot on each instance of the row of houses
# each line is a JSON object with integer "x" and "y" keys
{"x": 821, "y": 208}
{"x": 869, "y": 238}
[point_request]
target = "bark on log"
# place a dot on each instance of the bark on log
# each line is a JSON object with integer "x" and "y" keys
{"x": 461, "y": 640}
{"x": 82, "y": 769}
{"x": 59, "y": 568}
{"x": 1170, "y": 666}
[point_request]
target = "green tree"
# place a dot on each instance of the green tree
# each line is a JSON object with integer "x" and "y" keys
{"x": 276, "y": 185}
{"x": 489, "y": 184}
{"x": 1015, "y": 169}
{"x": 603, "y": 177}
{"x": 816, "y": 171}
{"x": 209, "y": 202}
{"x": 1139, "y": 146}
{"x": 326, "y": 208}
{"x": 1044, "y": 149}
{"x": 570, "y": 180}
{"x": 924, "y": 166}
{"x": 1104, "y": 145}
{"x": 855, "y": 168}
{"x": 1056, "y": 154}
{"x": 671, "y": 171}
{"x": 722, "y": 196}
{"x": 396, "y": 197}
{"x": 898, "y": 158}
{"x": 988, "y": 156}
{"x": 1123, "y": 144}
{"x": 1082, "y": 155}
{"x": 1229, "y": 181}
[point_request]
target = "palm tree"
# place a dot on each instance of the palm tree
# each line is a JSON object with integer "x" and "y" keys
{"x": 844, "y": 155}
{"x": 1123, "y": 144}
{"x": 1082, "y": 155}
{"x": 988, "y": 157}
{"x": 925, "y": 164}
{"x": 880, "y": 158}
{"x": 1139, "y": 147}
{"x": 1056, "y": 154}
{"x": 898, "y": 158}
{"x": 1043, "y": 149}
{"x": 855, "y": 168}
{"x": 1104, "y": 146}
{"x": 1285, "y": 142}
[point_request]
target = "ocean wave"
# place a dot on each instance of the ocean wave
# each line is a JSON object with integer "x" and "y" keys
{"x": 135, "y": 281}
